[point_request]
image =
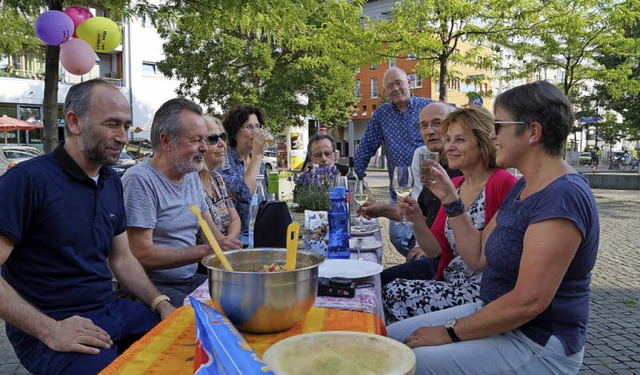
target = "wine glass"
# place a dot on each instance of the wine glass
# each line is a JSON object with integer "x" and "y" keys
{"x": 360, "y": 195}
{"x": 403, "y": 184}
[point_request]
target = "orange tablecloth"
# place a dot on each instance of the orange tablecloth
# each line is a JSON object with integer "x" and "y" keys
{"x": 169, "y": 347}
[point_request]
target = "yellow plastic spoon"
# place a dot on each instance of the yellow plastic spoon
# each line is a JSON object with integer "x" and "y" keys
{"x": 212, "y": 240}
{"x": 292, "y": 245}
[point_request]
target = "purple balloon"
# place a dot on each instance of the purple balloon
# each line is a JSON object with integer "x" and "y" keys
{"x": 54, "y": 27}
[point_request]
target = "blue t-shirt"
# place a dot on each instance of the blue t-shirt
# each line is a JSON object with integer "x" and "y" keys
{"x": 568, "y": 197}
{"x": 397, "y": 131}
{"x": 63, "y": 225}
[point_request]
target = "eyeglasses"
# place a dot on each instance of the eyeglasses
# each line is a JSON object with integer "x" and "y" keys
{"x": 434, "y": 124}
{"x": 391, "y": 85}
{"x": 498, "y": 124}
{"x": 327, "y": 154}
{"x": 252, "y": 128}
{"x": 213, "y": 139}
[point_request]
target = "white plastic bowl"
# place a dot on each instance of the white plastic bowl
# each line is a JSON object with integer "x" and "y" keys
{"x": 340, "y": 353}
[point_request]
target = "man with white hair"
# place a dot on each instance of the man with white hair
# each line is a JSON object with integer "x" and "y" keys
{"x": 159, "y": 195}
{"x": 394, "y": 126}
{"x": 418, "y": 265}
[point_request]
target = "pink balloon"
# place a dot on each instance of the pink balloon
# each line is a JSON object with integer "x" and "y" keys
{"x": 77, "y": 56}
{"x": 54, "y": 27}
{"x": 78, "y": 15}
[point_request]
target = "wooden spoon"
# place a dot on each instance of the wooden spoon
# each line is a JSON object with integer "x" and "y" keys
{"x": 292, "y": 245}
{"x": 212, "y": 240}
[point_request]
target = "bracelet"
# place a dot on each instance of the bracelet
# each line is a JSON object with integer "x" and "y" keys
{"x": 156, "y": 301}
{"x": 455, "y": 208}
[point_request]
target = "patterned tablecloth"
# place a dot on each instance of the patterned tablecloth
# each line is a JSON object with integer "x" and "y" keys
{"x": 367, "y": 298}
{"x": 169, "y": 347}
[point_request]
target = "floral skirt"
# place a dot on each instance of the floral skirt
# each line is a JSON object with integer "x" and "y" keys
{"x": 406, "y": 298}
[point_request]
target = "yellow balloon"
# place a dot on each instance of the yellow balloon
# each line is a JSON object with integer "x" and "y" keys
{"x": 102, "y": 34}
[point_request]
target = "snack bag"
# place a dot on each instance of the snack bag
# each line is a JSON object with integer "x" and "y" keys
{"x": 220, "y": 348}
{"x": 316, "y": 233}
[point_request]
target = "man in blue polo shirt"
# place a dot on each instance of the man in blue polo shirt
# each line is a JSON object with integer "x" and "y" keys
{"x": 63, "y": 238}
{"x": 395, "y": 126}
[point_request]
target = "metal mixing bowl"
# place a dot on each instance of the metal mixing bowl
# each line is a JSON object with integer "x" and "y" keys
{"x": 263, "y": 302}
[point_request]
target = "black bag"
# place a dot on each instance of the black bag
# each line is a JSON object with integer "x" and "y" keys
{"x": 271, "y": 225}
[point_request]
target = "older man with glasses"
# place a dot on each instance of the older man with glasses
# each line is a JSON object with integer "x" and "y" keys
{"x": 322, "y": 152}
{"x": 418, "y": 265}
{"x": 395, "y": 126}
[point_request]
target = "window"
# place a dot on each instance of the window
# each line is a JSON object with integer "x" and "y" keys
{"x": 411, "y": 56}
{"x": 364, "y": 110}
{"x": 392, "y": 63}
{"x": 374, "y": 66}
{"x": 415, "y": 80}
{"x": 374, "y": 87}
{"x": 356, "y": 90}
{"x": 150, "y": 69}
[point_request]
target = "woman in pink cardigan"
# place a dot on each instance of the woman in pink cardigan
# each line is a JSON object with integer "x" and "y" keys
{"x": 482, "y": 188}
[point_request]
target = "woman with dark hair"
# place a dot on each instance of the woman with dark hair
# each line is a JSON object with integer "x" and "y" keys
{"x": 482, "y": 187}
{"x": 536, "y": 255}
{"x": 247, "y": 139}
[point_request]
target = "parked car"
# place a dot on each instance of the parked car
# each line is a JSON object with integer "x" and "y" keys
{"x": 126, "y": 161}
{"x": 270, "y": 160}
{"x": 139, "y": 148}
{"x": 585, "y": 158}
{"x": 10, "y": 155}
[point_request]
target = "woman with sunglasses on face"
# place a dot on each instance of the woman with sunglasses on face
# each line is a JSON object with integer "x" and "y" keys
{"x": 224, "y": 214}
{"x": 537, "y": 254}
{"x": 244, "y": 126}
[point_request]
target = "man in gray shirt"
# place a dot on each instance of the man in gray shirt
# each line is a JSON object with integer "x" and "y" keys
{"x": 158, "y": 196}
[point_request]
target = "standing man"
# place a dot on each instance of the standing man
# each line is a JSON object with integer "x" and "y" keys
{"x": 395, "y": 126}
{"x": 418, "y": 265}
{"x": 158, "y": 195}
{"x": 62, "y": 235}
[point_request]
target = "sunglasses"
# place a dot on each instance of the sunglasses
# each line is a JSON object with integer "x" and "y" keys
{"x": 213, "y": 139}
{"x": 499, "y": 124}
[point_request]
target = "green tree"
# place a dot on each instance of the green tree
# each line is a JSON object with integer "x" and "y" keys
{"x": 26, "y": 12}
{"x": 269, "y": 53}
{"x": 626, "y": 96}
{"x": 571, "y": 36}
{"x": 610, "y": 130}
{"x": 433, "y": 31}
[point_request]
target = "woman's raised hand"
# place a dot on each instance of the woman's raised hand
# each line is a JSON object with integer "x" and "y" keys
{"x": 441, "y": 185}
{"x": 260, "y": 137}
{"x": 410, "y": 207}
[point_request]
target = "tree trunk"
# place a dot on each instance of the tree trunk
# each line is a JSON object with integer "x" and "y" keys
{"x": 51, "y": 99}
{"x": 50, "y": 102}
{"x": 443, "y": 80}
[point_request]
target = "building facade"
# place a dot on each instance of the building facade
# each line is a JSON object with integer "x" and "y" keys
{"x": 131, "y": 67}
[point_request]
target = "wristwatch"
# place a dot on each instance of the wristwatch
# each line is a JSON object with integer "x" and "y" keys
{"x": 449, "y": 327}
{"x": 156, "y": 301}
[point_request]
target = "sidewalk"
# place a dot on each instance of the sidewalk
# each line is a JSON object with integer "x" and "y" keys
{"x": 613, "y": 342}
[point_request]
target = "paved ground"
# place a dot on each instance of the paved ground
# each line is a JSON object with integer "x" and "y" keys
{"x": 613, "y": 343}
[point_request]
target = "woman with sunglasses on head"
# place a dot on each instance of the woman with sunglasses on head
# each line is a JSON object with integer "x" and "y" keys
{"x": 537, "y": 254}
{"x": 224, "y": 214}
{"x": 244, "y": 126}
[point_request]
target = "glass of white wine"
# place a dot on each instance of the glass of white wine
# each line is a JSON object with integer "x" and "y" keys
{"x": 403, "y": 184}
{"x": 360, "y": 194}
